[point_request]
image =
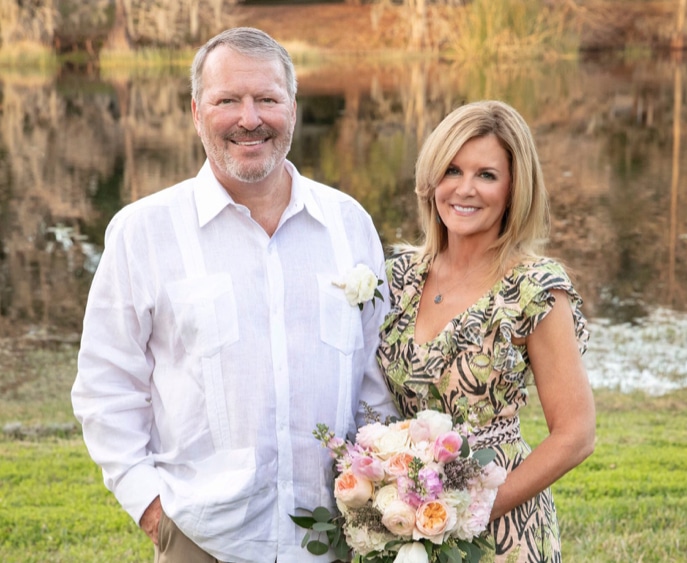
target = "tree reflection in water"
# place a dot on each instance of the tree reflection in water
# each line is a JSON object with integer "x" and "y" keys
{"x": 75, "y": 148}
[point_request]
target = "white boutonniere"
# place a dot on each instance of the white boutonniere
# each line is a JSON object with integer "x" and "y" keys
{"x": 360, "y": 286}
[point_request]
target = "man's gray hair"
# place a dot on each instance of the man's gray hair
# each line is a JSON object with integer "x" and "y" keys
{"x": 247, "y": 41}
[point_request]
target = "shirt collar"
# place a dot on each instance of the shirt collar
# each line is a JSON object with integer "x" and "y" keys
{"x": 211, "y": 197}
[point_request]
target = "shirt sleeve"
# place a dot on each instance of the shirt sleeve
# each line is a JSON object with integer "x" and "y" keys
{"x": 374, "y": 391}
{"x": 111, "y": 394}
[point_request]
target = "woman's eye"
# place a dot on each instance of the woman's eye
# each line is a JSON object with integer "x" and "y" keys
{"x": 488, "y": 175}
{"x": 452, "y": 171}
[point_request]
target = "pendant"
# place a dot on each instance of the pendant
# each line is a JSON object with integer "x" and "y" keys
{"x": 438, "y": 298}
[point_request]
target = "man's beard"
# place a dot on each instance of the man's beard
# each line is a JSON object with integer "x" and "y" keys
{"x": 249, "y": 171}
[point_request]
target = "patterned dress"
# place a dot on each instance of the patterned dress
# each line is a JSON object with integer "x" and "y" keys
{"x": 482, "y": 374}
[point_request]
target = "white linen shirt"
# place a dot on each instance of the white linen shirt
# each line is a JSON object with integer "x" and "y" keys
{"x": 210, "y": 351}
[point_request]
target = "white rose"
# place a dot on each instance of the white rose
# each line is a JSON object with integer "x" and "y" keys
{"x": 412, "y": 553}
{"x": 360, "y": 284}
{"x": 437, "y": 422}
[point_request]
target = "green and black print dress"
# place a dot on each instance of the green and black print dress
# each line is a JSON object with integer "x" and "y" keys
{"x": 482, "y": 374}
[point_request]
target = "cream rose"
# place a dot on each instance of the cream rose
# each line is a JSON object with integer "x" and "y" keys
{"x": 352, "y": 490}
{"x": 393, "y": 441}
{"x": 399, "y": 518}
{"x": 384, "y": 496}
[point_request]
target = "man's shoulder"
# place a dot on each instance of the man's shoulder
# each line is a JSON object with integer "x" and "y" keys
{"x": 178, "y": 194}
{"x": 153, "y": 209}
{"x": 327, "y": 195}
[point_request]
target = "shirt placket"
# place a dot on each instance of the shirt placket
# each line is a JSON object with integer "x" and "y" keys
{"x": 277, "y": 328}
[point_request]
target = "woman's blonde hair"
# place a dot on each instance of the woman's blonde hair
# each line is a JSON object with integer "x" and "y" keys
{"x": 525, "y": 224}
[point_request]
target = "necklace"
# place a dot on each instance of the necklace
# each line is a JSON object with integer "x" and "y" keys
{"x": 439, "y": 297}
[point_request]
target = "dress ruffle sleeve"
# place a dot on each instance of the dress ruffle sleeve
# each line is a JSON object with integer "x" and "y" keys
{"x": 523, "y": 299}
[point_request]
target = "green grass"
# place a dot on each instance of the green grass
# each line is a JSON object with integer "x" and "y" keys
{"x": 626, "y": 503}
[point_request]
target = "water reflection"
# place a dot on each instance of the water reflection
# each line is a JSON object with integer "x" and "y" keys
{"x": 75, "y": 148}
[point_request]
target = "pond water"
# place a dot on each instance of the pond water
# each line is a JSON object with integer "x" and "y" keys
{"x": 76, "y": 147}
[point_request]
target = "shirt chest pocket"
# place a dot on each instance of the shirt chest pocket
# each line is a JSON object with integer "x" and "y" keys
{"x": 341, "y": 324}
{"x": 204, "y": 313}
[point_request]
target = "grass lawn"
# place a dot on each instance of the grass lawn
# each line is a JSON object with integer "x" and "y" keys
{"x": 626, "y": 503}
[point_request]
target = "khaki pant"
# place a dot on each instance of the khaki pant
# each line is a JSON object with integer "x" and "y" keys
{"x": 175, "y": 547}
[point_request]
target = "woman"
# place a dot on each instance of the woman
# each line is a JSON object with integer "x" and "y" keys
{"x": 478, "y": 313}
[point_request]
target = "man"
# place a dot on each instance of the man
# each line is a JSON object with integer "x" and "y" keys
{"x": 217, "y": 334}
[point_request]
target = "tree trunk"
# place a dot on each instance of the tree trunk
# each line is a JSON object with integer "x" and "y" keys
{"x": 119, "y": 38}
{"x": 417, "y": 14}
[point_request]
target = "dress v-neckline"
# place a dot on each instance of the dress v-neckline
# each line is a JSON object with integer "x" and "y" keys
{"x": 453, "y": 322}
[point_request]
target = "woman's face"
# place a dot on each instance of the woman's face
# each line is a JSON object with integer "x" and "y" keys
{"x": 473, "y": 195}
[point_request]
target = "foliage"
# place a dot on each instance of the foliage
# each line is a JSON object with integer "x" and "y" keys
{"x": 625, "y": 503}
{"x": 501, "y": 29}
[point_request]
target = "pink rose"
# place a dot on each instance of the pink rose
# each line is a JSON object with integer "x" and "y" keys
{"x": 368, "y": 467}
{"x": 447, "y": 447}
{"x": 352, "y": 490}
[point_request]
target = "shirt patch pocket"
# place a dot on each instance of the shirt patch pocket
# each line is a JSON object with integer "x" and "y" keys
{"x": 205, "y": 313}
{"x": 341, "y": 324}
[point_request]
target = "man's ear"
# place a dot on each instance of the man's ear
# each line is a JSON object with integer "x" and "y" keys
{"x": 194, "y": 113}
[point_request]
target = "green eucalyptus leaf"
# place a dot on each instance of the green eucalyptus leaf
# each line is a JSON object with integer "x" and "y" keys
{"x": 472, "y": 552}
{"x": 323, "y": 527}
{"x": 453, "y": 555}
{"x": 464, "y": 447}
{"x": 484, "y": 456}
{"x": 303, "y": 521}
{"x": 321, "y": 514}
{"x": 305, "y": 540}
{"x": 317, "y": 547}
{"x": 341, "y": 550}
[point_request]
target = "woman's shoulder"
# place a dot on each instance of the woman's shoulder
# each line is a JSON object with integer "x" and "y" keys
{"x": 404, "y": 262}
{"x": 543, "y": 271}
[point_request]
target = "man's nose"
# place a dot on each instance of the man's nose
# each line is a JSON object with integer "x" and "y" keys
{"x": 250, "y": 115}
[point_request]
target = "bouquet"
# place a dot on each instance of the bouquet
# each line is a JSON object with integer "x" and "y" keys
{"x": 410, "y": 491}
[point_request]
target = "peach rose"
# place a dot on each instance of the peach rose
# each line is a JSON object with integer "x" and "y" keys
{"x": 352, "y": 490}
{"x": 397, "y": 464}
{"x": 433, "y": 518}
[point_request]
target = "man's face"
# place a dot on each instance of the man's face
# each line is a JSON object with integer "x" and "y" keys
{"x": 244, "y": 116}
